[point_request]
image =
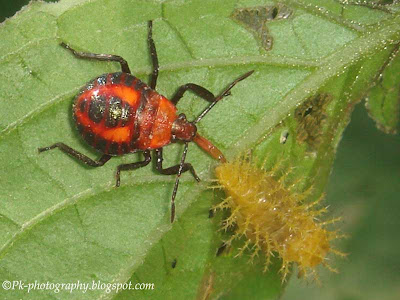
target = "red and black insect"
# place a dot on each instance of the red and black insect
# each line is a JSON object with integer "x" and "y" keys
{"x": 116, "y": 114}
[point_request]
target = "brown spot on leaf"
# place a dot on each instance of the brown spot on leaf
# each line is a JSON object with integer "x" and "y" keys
{"x": 311, "y": 117}
{"x": 256, "y": 19}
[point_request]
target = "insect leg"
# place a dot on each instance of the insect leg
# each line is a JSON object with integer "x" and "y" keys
{"x": 102, "y": 57}
{"x": 83, "y": 158}
{"x": 197, "y": 89}
{"x": 132, "y": 166}
{"x": 204, "y": 93}
{"x": 153, "y": 54}
{"x": 174, "y": 169}
{"x": 178, "y": 170}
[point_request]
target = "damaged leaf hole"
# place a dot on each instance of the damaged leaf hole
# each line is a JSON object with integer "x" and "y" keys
{"x": 256, "y": 19}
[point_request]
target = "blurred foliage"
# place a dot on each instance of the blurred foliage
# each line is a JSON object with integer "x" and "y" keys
{"x": 363, "y": 189}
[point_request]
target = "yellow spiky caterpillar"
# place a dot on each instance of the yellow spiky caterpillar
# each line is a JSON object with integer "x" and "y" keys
{"x": 273, "y": 218}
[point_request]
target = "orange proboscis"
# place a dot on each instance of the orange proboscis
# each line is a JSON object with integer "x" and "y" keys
{"x": 207, "y": 146}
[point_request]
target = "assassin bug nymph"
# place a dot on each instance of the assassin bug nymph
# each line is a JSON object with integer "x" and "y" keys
{"x": 116, "y": 113}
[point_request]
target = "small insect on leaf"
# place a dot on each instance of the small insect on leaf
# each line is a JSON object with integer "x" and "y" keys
{"x": 273, "y": 218}
{"x": 118, "y": 114}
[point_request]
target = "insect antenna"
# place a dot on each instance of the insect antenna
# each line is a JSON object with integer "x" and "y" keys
{"x": 225, "y": 93}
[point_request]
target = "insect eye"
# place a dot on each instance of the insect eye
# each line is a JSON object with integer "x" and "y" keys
{"x": 182, "y": 117}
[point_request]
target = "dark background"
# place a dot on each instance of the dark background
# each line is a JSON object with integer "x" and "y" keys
{"x": 9, "y": 7}
{"x": 364, "y": 189}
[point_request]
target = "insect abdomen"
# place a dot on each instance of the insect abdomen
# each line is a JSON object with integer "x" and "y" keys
{"x": 116, "y": 113}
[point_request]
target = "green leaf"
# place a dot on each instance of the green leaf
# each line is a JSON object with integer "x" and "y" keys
{"x": 63, "y": 222}
{"x": 383, "y": 100}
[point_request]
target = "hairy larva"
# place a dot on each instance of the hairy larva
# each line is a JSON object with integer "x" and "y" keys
{"x": 273, "y": 218}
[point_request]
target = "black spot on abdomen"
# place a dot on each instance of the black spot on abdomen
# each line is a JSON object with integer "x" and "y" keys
{"x": 97, "y": 108}
{"x": 114, "y": 112}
